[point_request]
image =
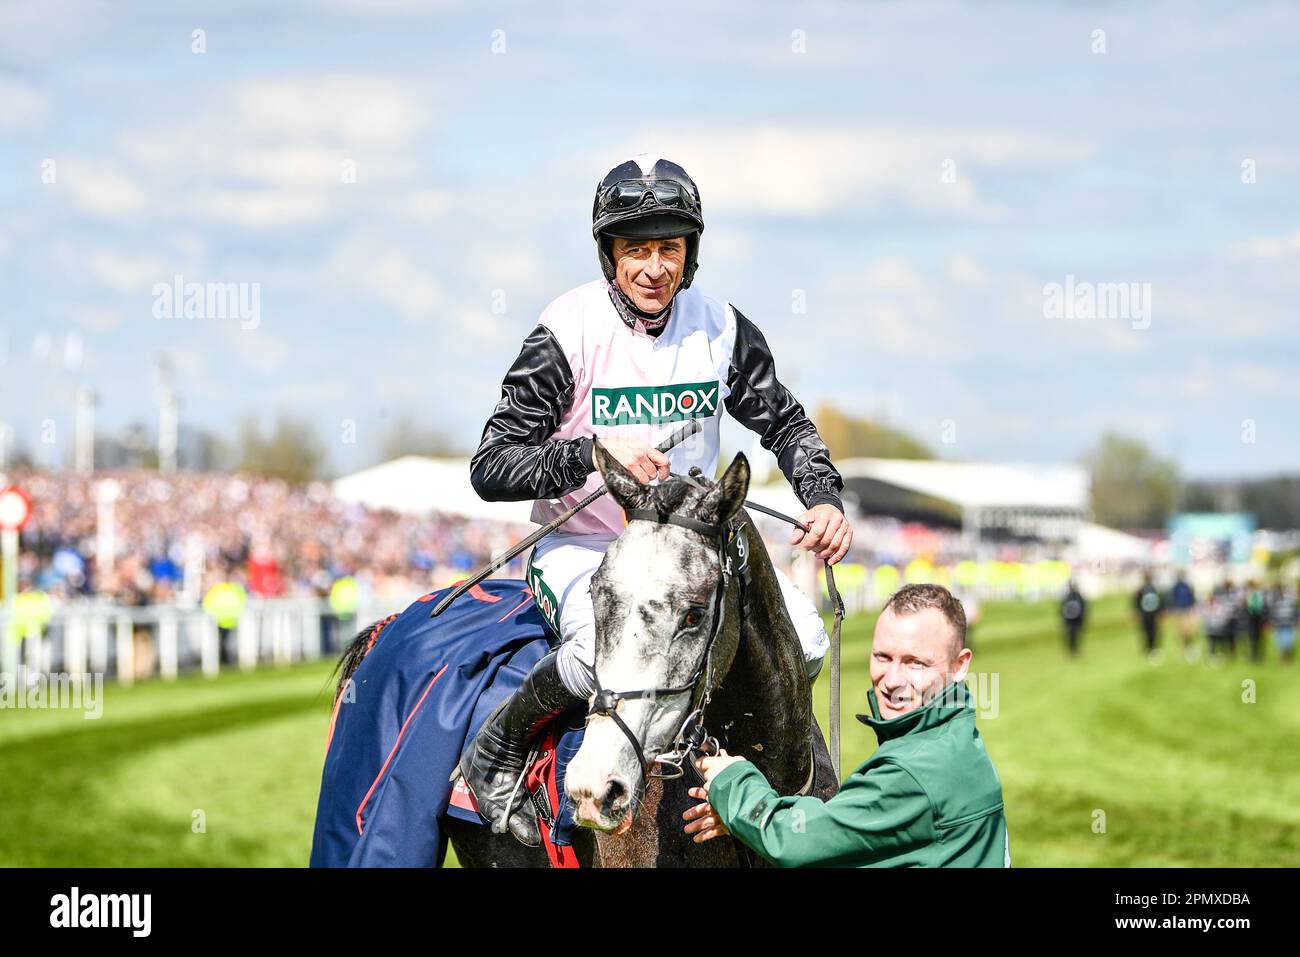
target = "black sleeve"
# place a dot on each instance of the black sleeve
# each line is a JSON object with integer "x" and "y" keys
{"x": 514, "y": 460}
{"x": 762, "y": 404}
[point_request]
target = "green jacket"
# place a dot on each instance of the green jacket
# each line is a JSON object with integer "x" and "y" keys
{"x": 928, "y": 797}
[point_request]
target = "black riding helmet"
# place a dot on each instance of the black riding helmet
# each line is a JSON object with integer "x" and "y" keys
{"x": 647, "y": 197}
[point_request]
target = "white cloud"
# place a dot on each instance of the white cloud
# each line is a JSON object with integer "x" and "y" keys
{"x": 892, "y": 275}
{"x": 292, "y": 166}
{"x": 514, "y": 269}
{"x": 125, "y": 273}
{"x": 727, "y": 245}
{"x": 965, "y": 271}
{"x": 483, "y": 324}
{"x": 422, "y": 204}
{"x": 1263, "y": 378}
{"x": 271, "y": 154}
{"x": 259, "y": 350}
{"x": 809, "y": 171}
{"x": 97, "y": 319}
{"x": 356, "y": 112}
{"x": 102, "y": 190}
{"x": 1267, "y": 248}
{"x": 385, "y": 273}
{"x": 368, "y": 7}
{"x": 21, "y": 107}
{"x": 259, "y": 209}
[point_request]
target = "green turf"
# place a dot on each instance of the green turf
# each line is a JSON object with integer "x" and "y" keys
{"x": 1184, "y": 771}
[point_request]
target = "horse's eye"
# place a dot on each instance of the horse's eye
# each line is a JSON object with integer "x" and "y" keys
{"x": 693, "y": 617}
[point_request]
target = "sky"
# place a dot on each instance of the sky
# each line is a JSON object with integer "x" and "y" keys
{"x": 891, "y": 192}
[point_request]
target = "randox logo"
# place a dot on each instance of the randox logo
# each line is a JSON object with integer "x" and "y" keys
{"x": 544, "y": 598}
{"x": 650, "y": 405}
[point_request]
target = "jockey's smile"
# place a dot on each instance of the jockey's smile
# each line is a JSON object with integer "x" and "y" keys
{"x": 649, "y": 270}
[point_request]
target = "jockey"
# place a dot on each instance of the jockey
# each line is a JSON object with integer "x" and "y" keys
{"x": 625, "y": 360}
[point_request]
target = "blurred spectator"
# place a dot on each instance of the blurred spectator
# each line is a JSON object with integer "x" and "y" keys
{"x": 1255, "y": 603}
{"x": 1182, "y": 599}
{"x": 1147, "y": 604}
{"x": 1218, "y": 616}
{"x": 1283, "y": 612}
{"x": 1233, "y": 617}
{"x": 1074, "y": 609}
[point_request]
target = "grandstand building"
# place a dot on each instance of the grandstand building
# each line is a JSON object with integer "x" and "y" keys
{"x": 990, "y": 503}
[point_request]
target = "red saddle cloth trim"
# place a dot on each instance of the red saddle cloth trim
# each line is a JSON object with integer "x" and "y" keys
{"x": 541, "y": 776}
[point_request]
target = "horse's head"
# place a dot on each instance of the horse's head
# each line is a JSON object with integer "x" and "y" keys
{"x": 657, "y": 598}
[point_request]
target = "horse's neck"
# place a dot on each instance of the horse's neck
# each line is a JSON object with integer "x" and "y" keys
{"x": 762, "y": 709}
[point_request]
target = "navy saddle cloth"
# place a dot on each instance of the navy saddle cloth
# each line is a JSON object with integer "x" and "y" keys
{"x": 423, "y": 687}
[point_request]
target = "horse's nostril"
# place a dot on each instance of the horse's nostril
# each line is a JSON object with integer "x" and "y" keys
{"x": 614, "y": 792}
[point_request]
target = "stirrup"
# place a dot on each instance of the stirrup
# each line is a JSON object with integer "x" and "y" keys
{"x": 502, "y": 824}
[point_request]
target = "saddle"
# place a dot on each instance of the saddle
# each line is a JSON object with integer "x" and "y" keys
{"x": 399, "y": 727}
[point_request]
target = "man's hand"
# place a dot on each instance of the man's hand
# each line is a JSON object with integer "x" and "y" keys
{"x": 711, "y": 766}
{"x": 703, "y": 820}
{"x": 704, "y": 823}
{"x": 644, "y": 462}
{"x": 830, "y": 535}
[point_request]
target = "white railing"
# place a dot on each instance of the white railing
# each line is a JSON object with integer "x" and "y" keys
{"x": 130, "y": 643}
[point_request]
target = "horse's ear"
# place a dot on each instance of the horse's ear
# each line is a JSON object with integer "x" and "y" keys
{"x": 622, "y": 484}
{"x": 727, "y": 497}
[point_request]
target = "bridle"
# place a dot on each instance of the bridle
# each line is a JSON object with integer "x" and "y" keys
{"x": 691, "y": 736}
{"x": 733, "y": 557}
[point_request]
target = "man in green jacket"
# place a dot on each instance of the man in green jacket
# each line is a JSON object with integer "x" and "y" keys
{"x": 928, "y": 797}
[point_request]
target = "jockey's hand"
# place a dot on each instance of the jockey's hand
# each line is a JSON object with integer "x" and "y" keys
{"x": 643, "y": 461}
{"x": 830, "y": 535}
{"x": 704, "y": 823}
{"x": 712, "y": 765}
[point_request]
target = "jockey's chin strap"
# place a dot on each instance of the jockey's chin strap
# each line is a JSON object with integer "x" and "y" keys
{"x": 692, "y": 738}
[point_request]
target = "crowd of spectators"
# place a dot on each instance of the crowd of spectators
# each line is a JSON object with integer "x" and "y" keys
{"x": 1246, "y": 611}
{"x": 185, "y": 532}
{"x": 274, "y": 537}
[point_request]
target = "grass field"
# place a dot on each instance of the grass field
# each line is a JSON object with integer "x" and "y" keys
{"x": 1184, "y": 770}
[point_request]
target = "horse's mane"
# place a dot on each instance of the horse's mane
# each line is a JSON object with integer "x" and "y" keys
{"x": 669, "y": 496}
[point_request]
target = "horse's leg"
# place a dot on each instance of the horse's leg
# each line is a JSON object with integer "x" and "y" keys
{"x": 477, "y": 846}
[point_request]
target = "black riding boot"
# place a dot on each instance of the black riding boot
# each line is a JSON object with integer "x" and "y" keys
{"x": 493, "y": 763}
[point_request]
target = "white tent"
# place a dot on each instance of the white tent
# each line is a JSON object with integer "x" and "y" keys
{"x": 416, "y": 484}
{"x": 980, "y": 484}
{"x": 1099, "y": 543}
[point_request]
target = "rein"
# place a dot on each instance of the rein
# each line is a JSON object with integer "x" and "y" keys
{"x": 692, "y": 738}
